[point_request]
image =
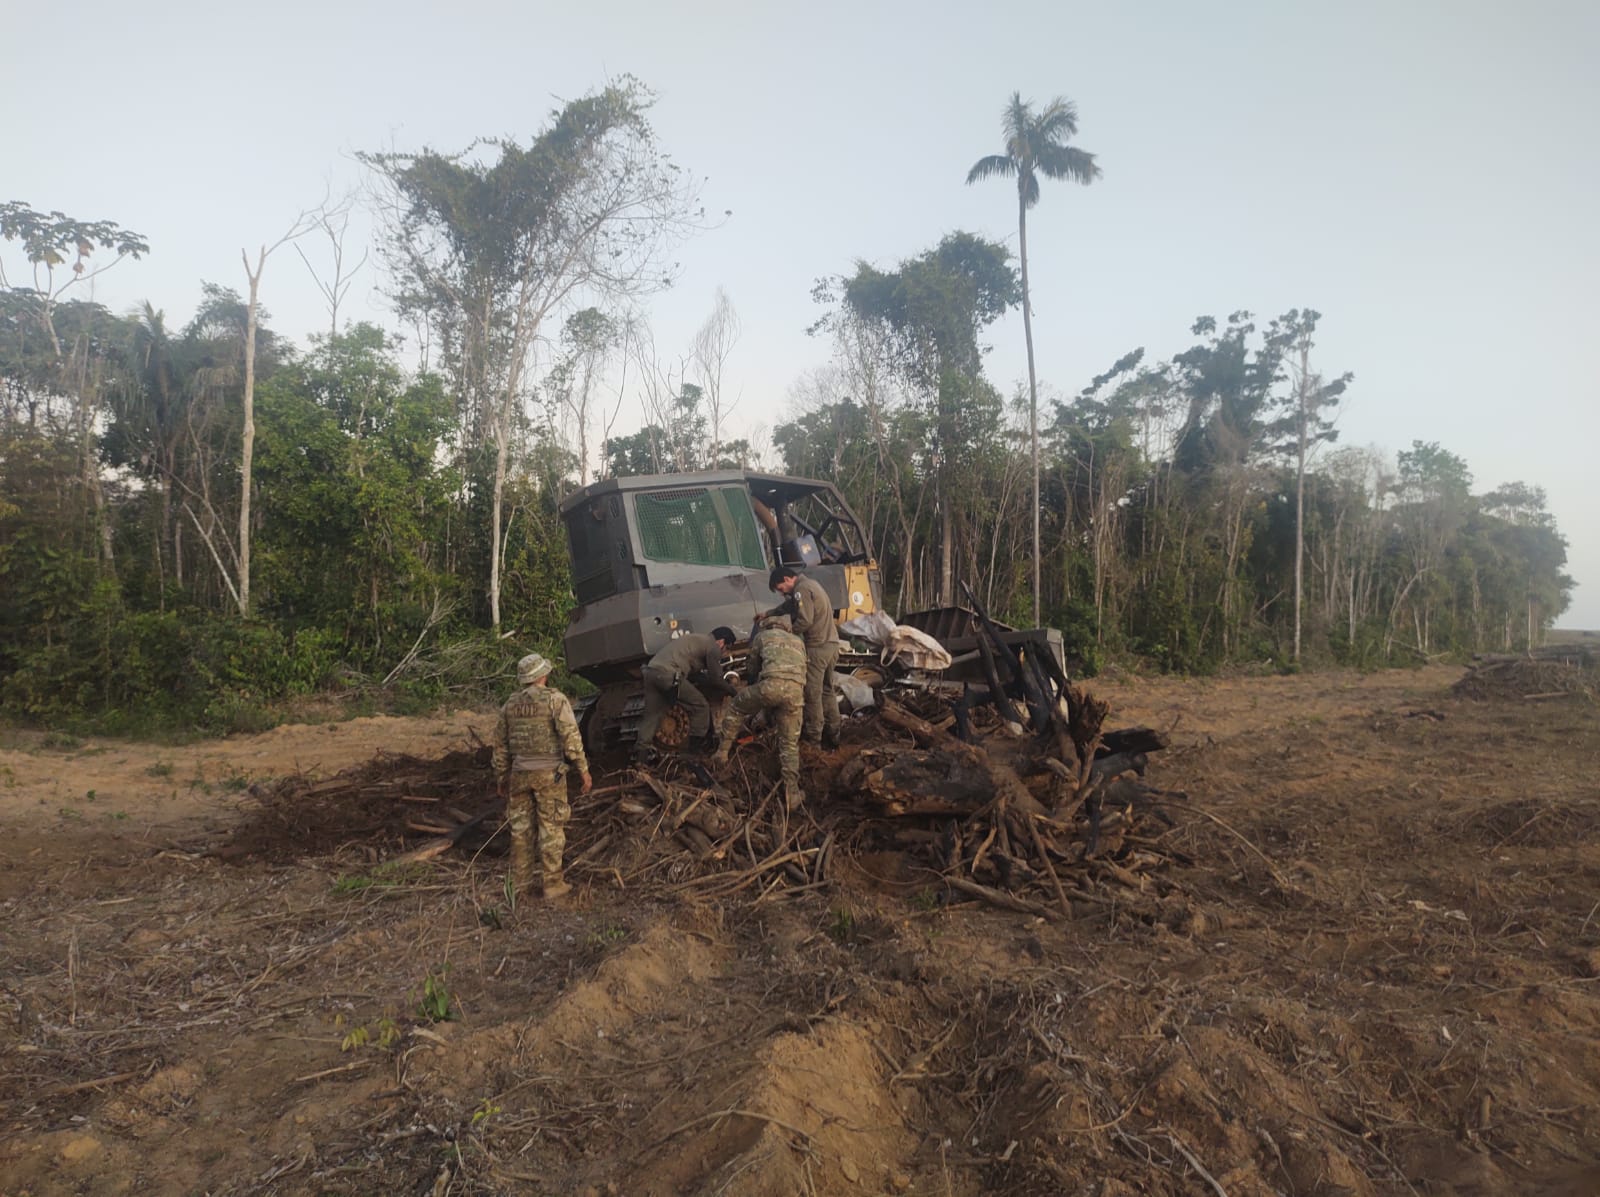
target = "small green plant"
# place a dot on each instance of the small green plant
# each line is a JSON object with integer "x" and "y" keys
{"x": 60, "y": 740}
{"x": 841, "y": 926}
{"x": 383, "y": 1035}
{"x": 90, "y": 796}
{"x": 235, "y": 782}
{"x": 510, "y": 889}
{"x": 68, "y": 812}
{"x": 602, "y": 938}
{"x": 926, "y": 900}
{"x": 435, "y": 1005}
{"x": 485, "y": 1111}
{"x": 160, "y": 769}
{"x": 388, "y": 875}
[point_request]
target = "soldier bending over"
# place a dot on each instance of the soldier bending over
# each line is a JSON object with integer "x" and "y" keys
{"x": 677, "y": 674}
{"x": 777, "y": 670}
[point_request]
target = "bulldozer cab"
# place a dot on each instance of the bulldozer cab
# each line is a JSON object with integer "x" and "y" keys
{"x": 659, "y": 556}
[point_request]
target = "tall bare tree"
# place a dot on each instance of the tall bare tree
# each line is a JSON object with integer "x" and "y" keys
{"x": 713, "y": 344}
{"x": 1303, "y": 425}
{"x": 491, "y": 249}
{"x": 337, "y": 278}
{"x": 589, "y": 338}
{"x": 1035, "y": 145}
{"x": 303, "y": 224}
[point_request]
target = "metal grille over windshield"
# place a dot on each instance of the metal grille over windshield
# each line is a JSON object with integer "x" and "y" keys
{"x": 699, "y": 526}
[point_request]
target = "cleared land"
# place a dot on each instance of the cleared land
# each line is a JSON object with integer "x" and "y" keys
{"x": 1379, "y": 973}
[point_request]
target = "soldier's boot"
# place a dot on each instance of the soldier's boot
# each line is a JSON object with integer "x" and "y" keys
{"x": 555, "y": 888}
{"x": 793, "y": 796}
{"x": 830, "y": 737}
{"x": 720, "y": 756}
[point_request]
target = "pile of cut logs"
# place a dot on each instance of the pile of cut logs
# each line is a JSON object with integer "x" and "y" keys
{"x": 1550, "y": 671}
{"x": 1011, "y": 792}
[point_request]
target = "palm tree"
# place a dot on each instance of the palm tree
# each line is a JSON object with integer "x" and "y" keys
{"x": 1035, "y": 145}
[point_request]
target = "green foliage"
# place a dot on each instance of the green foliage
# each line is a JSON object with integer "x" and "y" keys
{"x": 1076, "y": 621}
{"x": 841, "y": 925}
{"x": 1035, "y": 146}
{"x": 1363, "y": 651}
{"x": 1175, "y": 493}
{"x": 382, "y": 1035}
{"x": 604, "y": 937}
{"x": 347, "y": 462}
{"x": 53, "y": 239}
{"x": 436, "y": 1002}
{"x": 386, "y": 876}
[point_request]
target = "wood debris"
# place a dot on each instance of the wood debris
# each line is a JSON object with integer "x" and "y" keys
{"x": 1013, "y": 793}
{"x": 1550, "y": 671}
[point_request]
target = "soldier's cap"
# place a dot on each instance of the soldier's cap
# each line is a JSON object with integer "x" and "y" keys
{"x": 781, "y": 622}
{"x": 531, "y": 668}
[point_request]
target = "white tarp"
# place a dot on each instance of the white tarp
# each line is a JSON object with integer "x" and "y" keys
{"x": 876, "y": 628}
{"x": 856, "y": 692}
{"x": 898, "y": 642}
{"x": 915, "y": 649}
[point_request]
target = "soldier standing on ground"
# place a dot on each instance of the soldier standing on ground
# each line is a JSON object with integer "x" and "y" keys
{"x": 811, "y": 612}
{"x": 667, "y": 679}
{"x": 777, "y": 670}
{"x": 534, "y": 741}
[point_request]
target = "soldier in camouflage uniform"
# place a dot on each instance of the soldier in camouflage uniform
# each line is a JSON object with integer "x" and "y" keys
{"x": 811, "y": 611}
{"x": 777, "y": 671}
{"x": 534, "y": 741}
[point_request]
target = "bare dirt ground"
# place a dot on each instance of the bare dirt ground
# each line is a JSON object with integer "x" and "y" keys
{"x": 1374, "y": 970}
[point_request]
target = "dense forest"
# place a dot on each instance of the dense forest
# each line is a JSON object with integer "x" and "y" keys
{"x": 200, "y": 522}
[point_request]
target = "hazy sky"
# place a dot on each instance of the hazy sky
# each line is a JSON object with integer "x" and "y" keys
{"x": 1423, "y": 174}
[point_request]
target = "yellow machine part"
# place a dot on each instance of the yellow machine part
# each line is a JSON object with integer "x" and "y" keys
{"x": 858, "y": 591}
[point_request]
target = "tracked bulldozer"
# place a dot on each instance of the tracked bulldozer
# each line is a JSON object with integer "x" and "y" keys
{"x": 659, "y": 556}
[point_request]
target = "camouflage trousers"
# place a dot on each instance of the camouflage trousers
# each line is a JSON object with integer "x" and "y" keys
{"x": 537, "y": 798}
{"x": 822, "y": 704}
{"x": 784, "y": 700}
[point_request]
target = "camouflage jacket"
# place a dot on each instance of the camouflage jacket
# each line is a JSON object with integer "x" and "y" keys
{"x": 811, "y": 611}
{"x": 537, "y": 730}
{"x": 776, "y": 655}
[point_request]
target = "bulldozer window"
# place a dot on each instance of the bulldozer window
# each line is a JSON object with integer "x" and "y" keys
{"x": 699, "y": 526}
{"x": 589, "y": 537}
